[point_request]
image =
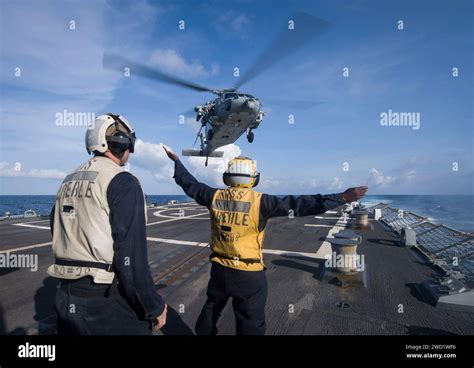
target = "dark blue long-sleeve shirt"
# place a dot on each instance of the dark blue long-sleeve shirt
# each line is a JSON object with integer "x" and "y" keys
{"x": 270, "y": 205}
{"x": 127, "y": 220}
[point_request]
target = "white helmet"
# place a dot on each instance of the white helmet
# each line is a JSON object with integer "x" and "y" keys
{"x": 97, "y": 140}
{"x": 241, "y": 172}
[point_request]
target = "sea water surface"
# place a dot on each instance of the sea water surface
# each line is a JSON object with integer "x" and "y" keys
{"x": 453, "y": 210}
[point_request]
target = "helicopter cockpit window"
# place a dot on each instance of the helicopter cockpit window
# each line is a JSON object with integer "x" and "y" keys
{"x": 230, "y": 95}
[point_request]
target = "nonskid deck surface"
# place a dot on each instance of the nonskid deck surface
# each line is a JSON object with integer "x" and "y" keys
{"x": 300, "y": 299}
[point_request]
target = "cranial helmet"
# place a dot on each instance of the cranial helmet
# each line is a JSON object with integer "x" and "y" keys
{"x": 110, "y": 132}
{"x": 241, "y": 172}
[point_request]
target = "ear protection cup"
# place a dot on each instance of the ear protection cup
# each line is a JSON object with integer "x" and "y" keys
{"x": 98, "y": 141}
{"x": 225, "y": 178}
{"x": 257, "y": 179}
{"x": 119, "y": 142}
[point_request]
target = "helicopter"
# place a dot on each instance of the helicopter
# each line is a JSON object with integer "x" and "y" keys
{"x": 225, "y": 119}
{"x": 232, "y": 113}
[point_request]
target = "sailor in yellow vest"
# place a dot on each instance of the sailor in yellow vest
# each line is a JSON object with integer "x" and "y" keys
{"x": 99, "y": 242}
{"x": 239, "y": 215}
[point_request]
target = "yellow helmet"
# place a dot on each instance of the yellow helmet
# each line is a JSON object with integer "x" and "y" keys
{"x": 241, "y": 172}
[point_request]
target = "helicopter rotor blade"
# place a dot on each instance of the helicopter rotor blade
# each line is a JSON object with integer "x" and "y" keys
{"x": 118, "y": 63}
{"x": 306, "y": 28}
{"x": 190, "y": 112}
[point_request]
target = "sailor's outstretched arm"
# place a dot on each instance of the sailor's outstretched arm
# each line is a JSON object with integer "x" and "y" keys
{"x": 306, "y": 205}
{"x": 200, "y": 192}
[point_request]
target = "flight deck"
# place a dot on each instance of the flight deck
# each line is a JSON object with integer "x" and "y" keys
{"x": 302, "y": 300}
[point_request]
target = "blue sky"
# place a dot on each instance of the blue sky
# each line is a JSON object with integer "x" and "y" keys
{"x": 407, "y": 70}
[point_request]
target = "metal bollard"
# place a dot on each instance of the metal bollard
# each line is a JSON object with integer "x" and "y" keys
{"x": 345, "y": 253}
{"x": 361, "y": 218}
{"x": 348, "y": 234}
{"x": 377, "y": 214}
{"x": 408, "y": 237}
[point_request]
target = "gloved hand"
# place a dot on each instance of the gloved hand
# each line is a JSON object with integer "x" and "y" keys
{"x": 354, "y": 194}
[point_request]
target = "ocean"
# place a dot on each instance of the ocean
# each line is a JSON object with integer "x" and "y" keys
{"x": 42, "y": 204}
{"x": 453, "y": 210}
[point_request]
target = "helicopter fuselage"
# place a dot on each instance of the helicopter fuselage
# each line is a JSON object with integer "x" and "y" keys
{"x": 227, "y": 117}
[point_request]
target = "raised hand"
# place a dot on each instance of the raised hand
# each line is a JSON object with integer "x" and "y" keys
{"x": 173, "y": 156}
{"x": 354, "y": 194}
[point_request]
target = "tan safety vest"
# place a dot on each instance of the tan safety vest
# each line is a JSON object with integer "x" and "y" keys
{"x": 82, "y": 230}
{"x": 236, "y": 241}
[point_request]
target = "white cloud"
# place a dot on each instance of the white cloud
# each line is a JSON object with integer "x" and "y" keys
{"x": 171, "y": 61}
{"x": 239, "y": 22}
{"x": 336, "y": 184}
{"x": 231, "y": 21}
{"x": 216, "y": 165}
{"x": 61, "y": 68}
{"x": 152, "y": 157}
{"x": 410, "y": 175}
{"x": 269, "y": 184}
{"x": 42, "y": 49}
{"x": 16, "y": 171}
{"x": 377, "y": 178}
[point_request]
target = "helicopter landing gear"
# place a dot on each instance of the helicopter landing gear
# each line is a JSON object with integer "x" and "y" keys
{"x": 210, "y": 134}
{"x": 250, "y": 136}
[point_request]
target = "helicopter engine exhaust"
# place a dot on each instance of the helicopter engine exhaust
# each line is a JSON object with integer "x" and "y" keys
{"x": 200, "y": 153}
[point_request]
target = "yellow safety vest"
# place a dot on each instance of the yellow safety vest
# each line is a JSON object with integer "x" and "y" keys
{"x": 236, "y": 241}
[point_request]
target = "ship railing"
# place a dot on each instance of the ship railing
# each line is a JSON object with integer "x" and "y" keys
{"x": 398, "y": 219}
{"x": 26, "y": 214}
{"x": 376, "y": 206}
{"x": 449, "y": 248}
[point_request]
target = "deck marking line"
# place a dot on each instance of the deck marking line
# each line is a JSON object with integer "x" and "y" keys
{"x": 26, "y": 247}
{"x": 159, "y": 213}
{"x": 176, "y": 219}
{"x": 26, "y": 224}
{"x": 34, "y": 222}
{"x": 197, "y": 244}
{"x": 325, "y": 250}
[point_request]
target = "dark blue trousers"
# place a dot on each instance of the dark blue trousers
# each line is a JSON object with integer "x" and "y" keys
{"x": 248, "y": 290}
{"x": 85, "y": 308}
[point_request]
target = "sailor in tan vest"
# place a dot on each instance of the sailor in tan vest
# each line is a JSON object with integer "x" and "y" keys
{"x": 99, "y": 242}
{"x": 239, "y": 215}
